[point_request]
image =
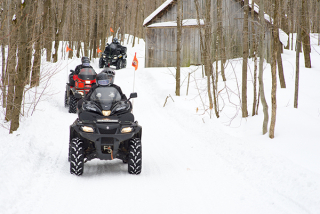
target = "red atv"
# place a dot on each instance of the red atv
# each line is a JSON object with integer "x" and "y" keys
{"x": 78, "y": 86}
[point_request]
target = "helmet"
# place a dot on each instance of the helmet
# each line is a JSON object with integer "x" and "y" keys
{"x": 115, "y": 40}
{"x": 85, "y": 61}
{"x": 105, "y": 77}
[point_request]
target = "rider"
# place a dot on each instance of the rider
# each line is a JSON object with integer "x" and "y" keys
{"x": 104, "y": 79}
{"x": 85, "y": 63}
{"x": 112, "y": 47}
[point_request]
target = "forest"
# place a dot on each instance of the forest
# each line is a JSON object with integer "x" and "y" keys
{"x": 33, "y": 28}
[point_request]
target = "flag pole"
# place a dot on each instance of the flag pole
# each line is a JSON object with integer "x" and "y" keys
{"x": 135, "y": 65}
{"x": 67, "y": 50}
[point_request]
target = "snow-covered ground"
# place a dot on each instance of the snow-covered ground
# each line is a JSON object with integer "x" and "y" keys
{"x": 192, "y": 161}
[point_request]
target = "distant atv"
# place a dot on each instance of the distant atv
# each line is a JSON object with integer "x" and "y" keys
{"x": 78, "y": 86}
{"x": 105, "y": 129}
{"x": 114, "y": 55}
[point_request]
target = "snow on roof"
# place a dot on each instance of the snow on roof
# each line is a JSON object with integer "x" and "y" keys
{"x": 185, "y": 22}
{"x": 157, "y": 11}
{"x": 256, "y": 9}
{"x": 173, "y": 24}
{"x": 168, "y": 2}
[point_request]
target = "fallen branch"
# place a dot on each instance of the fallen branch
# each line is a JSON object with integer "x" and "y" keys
{"x": 167, "y": 99}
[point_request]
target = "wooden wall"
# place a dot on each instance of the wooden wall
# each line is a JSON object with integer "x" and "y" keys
{"x": 161, "y": 47}
{"x": 161, "y": 41}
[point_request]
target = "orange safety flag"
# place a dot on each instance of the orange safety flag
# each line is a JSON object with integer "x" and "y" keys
{"x": 99, "y": 51}
{"x": 111, "y": 30}
{"x": 135, "y": 61}
{"x": 68, "y": 49}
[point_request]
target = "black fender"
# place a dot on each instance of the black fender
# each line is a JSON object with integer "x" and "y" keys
{"x": 68, "y": 89}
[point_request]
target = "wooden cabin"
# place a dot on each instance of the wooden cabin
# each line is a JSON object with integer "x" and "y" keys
{"x": 161, "y": 32}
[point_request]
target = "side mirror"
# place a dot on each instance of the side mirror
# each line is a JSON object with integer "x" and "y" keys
{"x": 72, "y": 71}
{"x": 133, "y": 95}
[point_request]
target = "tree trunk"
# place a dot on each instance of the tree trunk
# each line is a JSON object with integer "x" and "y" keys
{"x": 35, "y": 75}
{"x": 60, "y": 25}
{"x": 95, "y": 33}
{"x": 87, "y": 29}
{"x": 22, "y": 65}
{"x": 245, "y": 59}
{"x": 215, "y": 95}
{"x": 48, "y": 28}
{"x": 275, "y": 31}
{"x": 305, "y": 34}
{"x": 298, "y": 42}
{"x": 11, "y": 61}
{"x": 3, "y": 70}
{"x": 135, "y": 24}
{"x": 279, "y": 62}
{"x": 30, "y": 21}
{"x": 253, "y": 33}
{"x": 261, "y": 85}
{"x": 207, "y": 45}
{"x": 3, "y": 44}
{"x": 220, "y": 39}
{"x": 179, "y": 32}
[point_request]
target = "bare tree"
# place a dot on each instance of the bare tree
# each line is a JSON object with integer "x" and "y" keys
{"x": 305, "y": 34}
{"x": 245, "y": 58}
{"x": 207, "y": 45}
{"x": 59, "y": 26}
{"x": 3, "y": 14}
{"x": 11, "y": 59}
{"x": 22, "y": 65}
{"x": 253, "y": 51}
{"x": 261, "y": 85}
{"x": 179, "y": 33}
{"x": 275, "y": 38}
{"x": 135, "y": 23}
{"x": 298, "y": 50}
{"x": 220, "y": 39}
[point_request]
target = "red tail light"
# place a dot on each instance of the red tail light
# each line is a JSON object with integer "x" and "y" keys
{"x": 80, "y": 84}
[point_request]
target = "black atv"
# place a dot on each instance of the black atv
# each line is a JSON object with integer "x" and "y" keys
{"x": 78, "y": 86}
{"x": 114, "y": 55}
{"x": 105, "y": 129}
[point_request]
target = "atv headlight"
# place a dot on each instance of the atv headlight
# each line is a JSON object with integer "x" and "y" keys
{"x": 115, "y": 57}
{"x": 126, "y": 130}
{"x": 106, "y": 113}
{"x": 88, "y": 82}
{"x": 87, "y": 129}
{"x": 104, "y": 56}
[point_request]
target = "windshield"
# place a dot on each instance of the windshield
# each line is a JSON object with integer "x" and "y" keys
{"x": 105, "y": 96}
{"x": 87, "y": 74}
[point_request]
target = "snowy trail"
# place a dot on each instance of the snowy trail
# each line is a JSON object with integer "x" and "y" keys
{"x": 223, "y": 178}
{"x": 190, "y": 164}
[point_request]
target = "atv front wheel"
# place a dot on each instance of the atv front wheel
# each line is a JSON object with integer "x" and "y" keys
{"x": 101, "y": 63}
{"x": 135, "y": 156}
{"x": 76, "y": 156}
{"x": 119, "y": 64}
{"x": 73, "y": 104}
{"x": 124, "y": 63}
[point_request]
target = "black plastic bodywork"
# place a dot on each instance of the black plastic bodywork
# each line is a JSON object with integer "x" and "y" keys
{"x": 112, "y": 54}
{"x": 106, "y": 142}
{"x": 107, "y": 134}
